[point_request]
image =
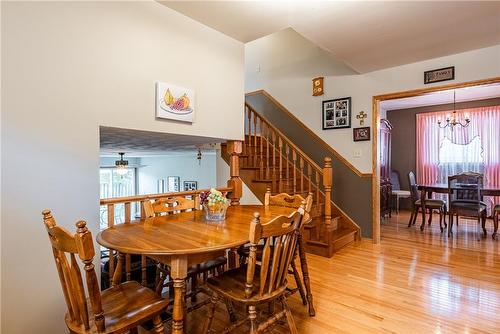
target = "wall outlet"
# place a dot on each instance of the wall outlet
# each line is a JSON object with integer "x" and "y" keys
{"x": 257, "y": 68}
{"x": 356, "y": 153}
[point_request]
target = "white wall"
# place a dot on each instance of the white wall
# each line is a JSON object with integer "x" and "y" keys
{"x": 294, "y": 92}
{"x": 68, "y": 67}
{"x": 183, "y": 165}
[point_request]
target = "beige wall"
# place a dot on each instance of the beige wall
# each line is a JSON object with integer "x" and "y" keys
{"x": 294, "y": 91}
{"x": 68, "y": 68}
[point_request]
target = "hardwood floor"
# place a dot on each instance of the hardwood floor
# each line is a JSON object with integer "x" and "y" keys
{"x": 414, "y": 282}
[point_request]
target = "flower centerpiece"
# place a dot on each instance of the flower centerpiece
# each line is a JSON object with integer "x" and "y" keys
{"x": 215, "y": 204}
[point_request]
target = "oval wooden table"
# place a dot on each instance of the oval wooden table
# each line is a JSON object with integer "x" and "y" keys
{"x": 186, "y": 239}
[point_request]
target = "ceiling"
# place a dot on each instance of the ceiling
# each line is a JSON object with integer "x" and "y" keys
{"x": 137, "y": 143}
{"x": 367, "y": 36}
{"x": 444, "y": 97}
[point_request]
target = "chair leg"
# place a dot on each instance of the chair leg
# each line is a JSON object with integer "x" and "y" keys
{"x": 441, "y": 220}
{"x": 450, "y": 224}
{"x": 194, "y": 287}
{"x": 158, "y": 325}
{"x": 298, "y": 281}
{"x": 430, "y": 217}
{"x": 134, "y": 330}
{"x": 411, "y": 217}
{"x": 305, "y": 275}
{"x": 208, "y": 323}
{"x": 483, "y": 223}
{"x": 252, "y": 316}
{"x": 495, "y": 225}
{"x": 289, "y": 318}
{"x": 230, "y": 310}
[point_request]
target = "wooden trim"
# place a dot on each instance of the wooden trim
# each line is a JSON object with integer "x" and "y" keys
{"x": 140, "y": 198}
{"x": 337, "y": 155}
{"x": 375, "y": 124}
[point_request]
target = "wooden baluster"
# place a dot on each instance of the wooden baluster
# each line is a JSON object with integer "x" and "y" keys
{"x": 268, "y": 139}
{"x": 294, "y": 160}
{"x": 287, "y": 168}
{"x": 255, "y": 140}
{"x": 261, "y": 162}
{"x": 111, "y": 261}
{"x": 128, "y": 265}
{"x": 280, "y": 145}
{"x": 234, "y": 148}
{"x": 249, "y": 152}
{"x": 245, "y": 142}
{"x": 317, "y": 187}
{"x": 309, "y": 177}
{"x": 327, "y": 185}
{"x": 301, "y": 163}
{"x": 273, "y": 183}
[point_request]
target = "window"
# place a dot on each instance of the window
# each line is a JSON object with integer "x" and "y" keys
{"x": 461, "y": 153}
{"x": 112, "y": 184}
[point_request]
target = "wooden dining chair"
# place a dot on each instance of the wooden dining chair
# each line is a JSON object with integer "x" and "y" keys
{"x": 119, "y": 309}
{"x": 496, "y": 214}
{"x": 294, "y": 201}
{"x": 251, "y": 284}
{"x": 464, "y": 193}
{"x": 173, "y": 205}
{"x": 430, "y": 206}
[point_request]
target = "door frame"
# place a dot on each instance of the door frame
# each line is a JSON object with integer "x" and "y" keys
{"x": 376, "y": 126}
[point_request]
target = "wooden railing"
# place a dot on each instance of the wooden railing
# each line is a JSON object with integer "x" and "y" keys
{"x": 280, "y": 161}
{"x": 128, "y": 202}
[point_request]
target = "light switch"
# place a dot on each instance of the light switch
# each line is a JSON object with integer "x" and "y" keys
{"x": 257, "y": 68}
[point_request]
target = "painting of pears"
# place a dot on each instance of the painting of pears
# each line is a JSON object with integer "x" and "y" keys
{"x": 174, "y": 102}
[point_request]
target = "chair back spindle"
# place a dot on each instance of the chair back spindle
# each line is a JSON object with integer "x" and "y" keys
{"x": 65, "y": 245}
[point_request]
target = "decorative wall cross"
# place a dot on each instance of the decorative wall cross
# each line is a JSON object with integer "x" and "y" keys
{"x": 361, "y": 116}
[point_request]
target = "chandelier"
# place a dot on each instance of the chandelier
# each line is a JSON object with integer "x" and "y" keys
{"x": 452, "y": 120}
{"x": 121, "y": 165}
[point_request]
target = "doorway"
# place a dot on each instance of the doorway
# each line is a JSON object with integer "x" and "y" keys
{"x": 376, "y": 152}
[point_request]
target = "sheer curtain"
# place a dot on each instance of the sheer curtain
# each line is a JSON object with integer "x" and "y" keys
{"x": 443, "y": 152}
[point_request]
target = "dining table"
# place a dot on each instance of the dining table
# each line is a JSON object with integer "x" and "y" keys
{"x": 185, "y": 239}
{"x": 426, "y": 191}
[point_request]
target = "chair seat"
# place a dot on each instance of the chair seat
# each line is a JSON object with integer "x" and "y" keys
{"x": 401, "y": 193}
{"x": 125, "y": 306}
{"x": 496, "y": 209}
{"x": 470, "y": 205}
{"x": 231, "y": 285}
{"x": 431, "y": 203}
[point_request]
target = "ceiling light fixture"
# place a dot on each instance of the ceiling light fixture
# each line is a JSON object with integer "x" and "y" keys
{"x": 121, "y": 165}
{"x": 452, "y": 120}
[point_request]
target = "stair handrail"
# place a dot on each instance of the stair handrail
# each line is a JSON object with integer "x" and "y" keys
{"x": 324, "y": 173}
{"x": 289, "y": 142}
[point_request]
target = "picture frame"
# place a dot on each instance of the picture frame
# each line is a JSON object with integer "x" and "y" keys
{"x": 441, "y": 74}
{"x": 337, "y": 113}
{"x": 190, "y": 185}
{"x": 361, "y": 134}
{"x": 174, "y": 102}
{"x": 173, "y": 183}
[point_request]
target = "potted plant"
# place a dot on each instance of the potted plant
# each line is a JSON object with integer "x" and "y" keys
{"x": 215, "y": 204}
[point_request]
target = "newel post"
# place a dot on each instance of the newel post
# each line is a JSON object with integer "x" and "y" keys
{"x": 327, "y": 185}
{"x": 234, "y": 149}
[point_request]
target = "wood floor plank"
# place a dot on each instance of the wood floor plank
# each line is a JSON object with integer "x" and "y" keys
{"x": 412, "y": 283}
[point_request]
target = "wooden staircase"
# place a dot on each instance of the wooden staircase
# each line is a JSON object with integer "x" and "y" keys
{"x": 268, "y": 159}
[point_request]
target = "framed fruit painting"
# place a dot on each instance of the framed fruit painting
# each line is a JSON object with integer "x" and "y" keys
{"x": 174, "y": 102}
